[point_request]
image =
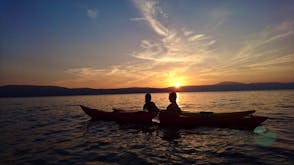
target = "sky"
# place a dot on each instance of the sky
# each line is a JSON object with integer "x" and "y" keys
{"x": 145, "y": 43}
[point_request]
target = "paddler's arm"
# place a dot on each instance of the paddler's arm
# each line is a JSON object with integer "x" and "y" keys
{"x": 155, "y": 107}
{"x": 145, "y": 107}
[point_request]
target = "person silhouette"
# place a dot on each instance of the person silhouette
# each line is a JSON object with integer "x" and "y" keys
{"x": 149, "y": 105}
{"x": 173, "y": 106}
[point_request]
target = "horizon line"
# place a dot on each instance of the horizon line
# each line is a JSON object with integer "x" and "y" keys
{"x": 219, "y": 83}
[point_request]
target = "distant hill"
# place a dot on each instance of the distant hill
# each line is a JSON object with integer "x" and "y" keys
{"x": 30, "y": 90}
{"x": 234, "y": 86}
{"x": 229, "y": 83}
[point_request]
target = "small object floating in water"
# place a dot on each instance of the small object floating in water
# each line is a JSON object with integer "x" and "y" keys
{"x": 156, "y": 119}
{"x": 260, "y": 130}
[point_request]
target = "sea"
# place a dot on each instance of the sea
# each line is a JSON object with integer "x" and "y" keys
{"x": 54, "y": 130}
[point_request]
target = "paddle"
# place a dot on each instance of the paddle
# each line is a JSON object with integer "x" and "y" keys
{"x": 156, "y": 119}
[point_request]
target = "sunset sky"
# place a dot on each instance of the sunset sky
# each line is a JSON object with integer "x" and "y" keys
{"x": 141, "y": 43}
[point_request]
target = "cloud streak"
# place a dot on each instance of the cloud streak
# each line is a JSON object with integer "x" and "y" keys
{"x": 151, "y": 12}
{"x": 173, "y": 45}
{"x": 92, "y": 13}
{"x": 266, "y": 44}
{"x": 264, "y": 55}
{"x": 138, "y": 19}
{"x": 180, "y": 54}
{"x": 162, "y": 62}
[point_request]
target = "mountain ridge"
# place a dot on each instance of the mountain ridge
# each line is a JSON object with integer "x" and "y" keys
{"x": 48, "y": 90}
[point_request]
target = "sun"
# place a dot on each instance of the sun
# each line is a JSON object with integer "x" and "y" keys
{"x": 177, "y": 85}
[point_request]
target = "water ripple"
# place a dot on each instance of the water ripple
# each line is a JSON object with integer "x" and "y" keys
{"x": 48, "y": 131}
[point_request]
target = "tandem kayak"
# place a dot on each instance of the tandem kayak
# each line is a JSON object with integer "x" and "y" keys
{"x": 243, "y": 119}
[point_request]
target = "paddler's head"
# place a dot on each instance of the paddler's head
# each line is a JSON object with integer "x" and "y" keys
{"x": 172, "y": 97}
{"x": 147, "y": 97}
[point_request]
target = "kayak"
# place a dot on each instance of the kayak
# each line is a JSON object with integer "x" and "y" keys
{"x": 243, "y": 119}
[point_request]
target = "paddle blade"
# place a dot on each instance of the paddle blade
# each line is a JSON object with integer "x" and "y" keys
{"x": 156, "y": 119}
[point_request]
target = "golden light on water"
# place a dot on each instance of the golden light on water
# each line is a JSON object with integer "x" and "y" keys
{"x": 179, "y": 99}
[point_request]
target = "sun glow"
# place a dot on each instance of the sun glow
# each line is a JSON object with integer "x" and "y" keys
{"x": 177, "y": 85}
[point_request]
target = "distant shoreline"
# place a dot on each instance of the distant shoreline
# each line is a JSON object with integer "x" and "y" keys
{"x": 38, "y": 91}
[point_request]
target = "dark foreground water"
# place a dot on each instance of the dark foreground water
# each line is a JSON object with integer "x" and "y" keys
{"x": 50, "y": 130}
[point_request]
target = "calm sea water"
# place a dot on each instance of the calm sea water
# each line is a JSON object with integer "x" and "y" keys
{"x": 51, "y": 130}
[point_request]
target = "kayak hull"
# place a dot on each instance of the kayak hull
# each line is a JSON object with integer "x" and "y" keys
{"x": 240, "y": 120}
{"x": 136, "y": 117}
{"x": 223, "y": 115}
{"x": 248, "y": 122}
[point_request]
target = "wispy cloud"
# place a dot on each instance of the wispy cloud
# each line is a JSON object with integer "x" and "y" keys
{"x": 195, "y": 37}
{"x": 138, "y": 19}
{"x": 261, "y": 55}
{"x": 189, "y": 56}
{"x": 152, "y": 12}
{"x": 187, "y": 32}
{"x": 175, "y": 45}
{"x": 162, "y": 62}
{"x": 266, "y": 44}
{"x": 219, "y": 16}
{"x": 92, "y": 13}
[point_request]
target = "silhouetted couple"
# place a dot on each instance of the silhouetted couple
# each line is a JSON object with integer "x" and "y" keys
{"x": 172, "y": 107}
